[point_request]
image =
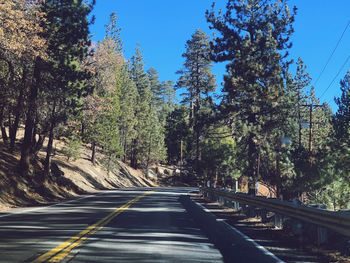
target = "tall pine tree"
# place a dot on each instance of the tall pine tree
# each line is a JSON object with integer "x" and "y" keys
{"x": 140, "y": 145}
{"x": 253, "y": 38}
{"x": 198, "y": 81}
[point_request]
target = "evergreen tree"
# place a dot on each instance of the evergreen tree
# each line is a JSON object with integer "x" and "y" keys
{"x": 163, "y": 95}
{"x": 342, "y": 116}
{"x": 140, "y": 144}
{"x": 219, "y": 156}
{"x": 339, "y": 156}
{"x": 103, "y": 107}
{"x": 67, "y": 33}
{"x": 176, "y": 134}
{"x": 113, "y": 33}
{"x": 148, "y": 144}
{"x": 128, "y": 107}
{"x": 197, "y": 79}
{"x": 156, "y": 86}
{"x": 254, "y": 36}
{"x": 301, "y": 80}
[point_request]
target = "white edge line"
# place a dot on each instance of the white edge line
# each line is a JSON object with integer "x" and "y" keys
{"x": 263, "y": 249}
{"x": 43, "y": 207}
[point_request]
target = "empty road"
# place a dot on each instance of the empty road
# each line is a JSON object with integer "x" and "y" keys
{"x": 131, "y": 225}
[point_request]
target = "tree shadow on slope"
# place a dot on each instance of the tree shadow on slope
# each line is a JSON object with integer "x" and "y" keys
{"x": 96, "y": 184}
{"x": 123, "y": 171}
{"x": 14, "y": 189}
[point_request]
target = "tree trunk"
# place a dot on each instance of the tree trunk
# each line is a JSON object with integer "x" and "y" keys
{"x": 216, "y": 183}
{"x": 50, "y": 142}
{"x": 82, "y": 131}
{"x": 149, "y": 155}
{"x": 38, "y": 144}
{"x": 49, "y": 151}
{"x": 93, "y": 153}
{"x": 109, "y": 164}
{"x": 34, "y": 142}
{"x": 278, "y": 177}
{"x": 125, "y": 148}
{"x": 4, "y": 134}
{"x": 133, "y": 159}
{"x": 3, "y": 130}
{"x": 24, "y": 163}
{"x": 251, "y": 165}
{"x": 18, "y": 111}
{"x": 299, "y": 121}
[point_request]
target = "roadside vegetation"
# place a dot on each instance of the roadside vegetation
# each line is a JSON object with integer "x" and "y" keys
{"x": 265, "y": 124}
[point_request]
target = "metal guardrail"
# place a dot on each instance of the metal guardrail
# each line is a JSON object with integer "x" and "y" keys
{"x": 336, "y": 221}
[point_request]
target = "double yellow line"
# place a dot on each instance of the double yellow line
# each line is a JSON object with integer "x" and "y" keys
{"x": 61, "y": 251}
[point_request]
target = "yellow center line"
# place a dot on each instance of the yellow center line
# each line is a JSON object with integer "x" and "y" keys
{"x": 61, "y": 251}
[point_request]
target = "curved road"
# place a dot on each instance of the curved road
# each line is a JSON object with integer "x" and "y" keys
{"x": 131, "y": 225}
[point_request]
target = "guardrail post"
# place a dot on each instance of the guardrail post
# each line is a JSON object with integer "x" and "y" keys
{"x": 212, "y": 197}
{"x": 263, "y": 215}
{"x": 221, "y": 200}
{"x": 306, "y": 218}
{"x": 228, "y": 203}
{"x": 236, "y": 206}
{"x": 321, "y": 235}
{"x": 244, "y": 209}
{"x": 252, "y": 211}
{"x": 278, "y": 221}
{"x": 298, "y": 230}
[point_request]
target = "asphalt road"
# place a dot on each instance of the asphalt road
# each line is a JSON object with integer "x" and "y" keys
{"x": 131, "y": 225}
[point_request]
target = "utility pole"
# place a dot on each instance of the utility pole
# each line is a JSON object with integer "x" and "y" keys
{"x": 299, "y": 120}
{"x": 311, "y": 106}
{"x": 181, "y": 158}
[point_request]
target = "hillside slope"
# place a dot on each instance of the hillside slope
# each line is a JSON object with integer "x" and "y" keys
{"x": 70, "y": 180}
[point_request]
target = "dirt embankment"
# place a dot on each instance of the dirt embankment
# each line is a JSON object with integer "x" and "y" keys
{"x": 71, "y": 179}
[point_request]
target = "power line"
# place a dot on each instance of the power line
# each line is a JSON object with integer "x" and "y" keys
{"x": 341, "y": 37}
{"x": 346, "y": 61}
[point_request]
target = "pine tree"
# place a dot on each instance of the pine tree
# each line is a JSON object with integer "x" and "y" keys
{"x": 156, "y": 86}
{"x": 219, "y": 156}
{"x": 148, "y": 145}
{"x": 340, "y": 153}
{"x": 163, "y": 94}
{"x": 301, "y": 80}
{"x": 140, "y": 145}
{"x": 103, "y": 107}
{"x": 128, "y": 107}
{"x": 67, "y": 33}
{"x": 113, "y": 33}
{"x": 253, "y": 38}
{"x": 342, "y": 116}
{"x": 197, "y": 79}
{"x": 177, "y": 131}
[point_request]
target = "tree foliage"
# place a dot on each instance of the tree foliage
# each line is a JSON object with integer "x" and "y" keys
{"x": 198, "y": 81}
{"x": 254, "y": 37}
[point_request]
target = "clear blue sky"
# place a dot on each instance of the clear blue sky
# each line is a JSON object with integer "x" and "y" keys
{"x": 162, "y": 28}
